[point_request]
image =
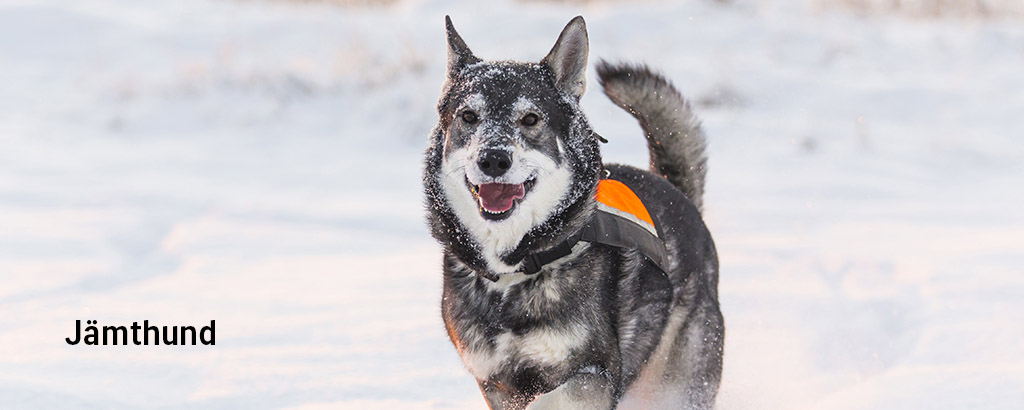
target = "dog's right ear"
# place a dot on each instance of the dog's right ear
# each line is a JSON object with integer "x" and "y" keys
{"x": 459, "y": 54}
{"x": 568, "y": 58}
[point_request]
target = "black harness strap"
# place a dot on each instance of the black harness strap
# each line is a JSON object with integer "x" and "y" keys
{"x": 607, "y": 229}
{"x": 534, "y": 261}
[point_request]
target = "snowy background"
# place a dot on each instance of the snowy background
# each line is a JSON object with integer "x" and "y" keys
{"x": 258, "y": 163}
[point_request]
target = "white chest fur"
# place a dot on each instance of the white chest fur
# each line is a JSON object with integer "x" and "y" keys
{"x": 541, "y": 346}
{"x": 546, "y": 346}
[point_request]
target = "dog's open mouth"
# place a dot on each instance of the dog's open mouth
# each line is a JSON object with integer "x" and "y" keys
{"x": 498, "y": 201}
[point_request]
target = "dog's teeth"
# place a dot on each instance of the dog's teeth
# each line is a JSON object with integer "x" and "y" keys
{"x": 488, "y": 210}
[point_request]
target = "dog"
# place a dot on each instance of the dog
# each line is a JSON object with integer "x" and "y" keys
{"x": 552, "y": 297}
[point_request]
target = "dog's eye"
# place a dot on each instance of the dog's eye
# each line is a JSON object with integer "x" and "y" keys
{"x": 529, "y": 120}
{"x": 469, "y": 117}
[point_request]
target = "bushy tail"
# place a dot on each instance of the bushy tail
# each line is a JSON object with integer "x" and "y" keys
{"x": 674, "y": 137}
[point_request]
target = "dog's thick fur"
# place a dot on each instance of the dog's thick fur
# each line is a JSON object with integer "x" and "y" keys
{"x": 602, "y": 327}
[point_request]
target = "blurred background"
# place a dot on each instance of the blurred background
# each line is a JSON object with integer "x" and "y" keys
{"x": 258, "y": 163}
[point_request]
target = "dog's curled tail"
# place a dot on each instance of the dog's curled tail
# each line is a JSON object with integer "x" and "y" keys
{"x": 674, "y": 137}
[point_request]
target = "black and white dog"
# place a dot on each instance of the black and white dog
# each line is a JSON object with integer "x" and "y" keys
{"x": 552, "y": 298}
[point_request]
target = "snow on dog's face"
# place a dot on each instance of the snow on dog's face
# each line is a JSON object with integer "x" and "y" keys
{"x": 505, "y": 125}
{"x": 503, "y": 169}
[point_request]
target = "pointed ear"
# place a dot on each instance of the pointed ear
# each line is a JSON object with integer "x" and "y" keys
{"x": 568, "y": 58}
{"x": 459, "y": 54}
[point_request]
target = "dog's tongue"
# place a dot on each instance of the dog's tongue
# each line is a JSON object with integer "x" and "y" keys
{"x": 499, "y": 197}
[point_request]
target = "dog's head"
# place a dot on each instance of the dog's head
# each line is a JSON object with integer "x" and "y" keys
{"x": 515, "y": 149}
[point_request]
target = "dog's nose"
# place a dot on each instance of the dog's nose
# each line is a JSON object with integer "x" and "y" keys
{"x": 494, "y": 162}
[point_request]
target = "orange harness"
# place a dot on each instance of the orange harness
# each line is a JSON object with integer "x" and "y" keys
{"x": 621, "y": 220}
{"x": 615, "y": 197}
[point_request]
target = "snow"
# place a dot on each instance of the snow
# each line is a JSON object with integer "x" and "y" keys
{"x": 258, "y": 163}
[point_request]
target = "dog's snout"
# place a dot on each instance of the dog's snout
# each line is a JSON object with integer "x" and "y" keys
{"x": 494, "y": 162}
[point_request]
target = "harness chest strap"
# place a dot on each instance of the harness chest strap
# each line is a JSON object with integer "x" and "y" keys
{"x": 621, "y": 220}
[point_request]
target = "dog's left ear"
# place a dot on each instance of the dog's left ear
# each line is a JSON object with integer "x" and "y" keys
{"x": 568, "y": 58}
{"x": 459, "y": 54}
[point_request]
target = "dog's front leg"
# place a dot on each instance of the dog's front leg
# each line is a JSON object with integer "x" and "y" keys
{"x": 501, "y": 399}
{"x": 585, "y": 390}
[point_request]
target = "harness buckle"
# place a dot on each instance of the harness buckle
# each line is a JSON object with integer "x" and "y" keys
{"x": 531, "y": 264}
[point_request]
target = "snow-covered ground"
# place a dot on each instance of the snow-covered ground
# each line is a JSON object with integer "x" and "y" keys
{"x": 258, "y": 163}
